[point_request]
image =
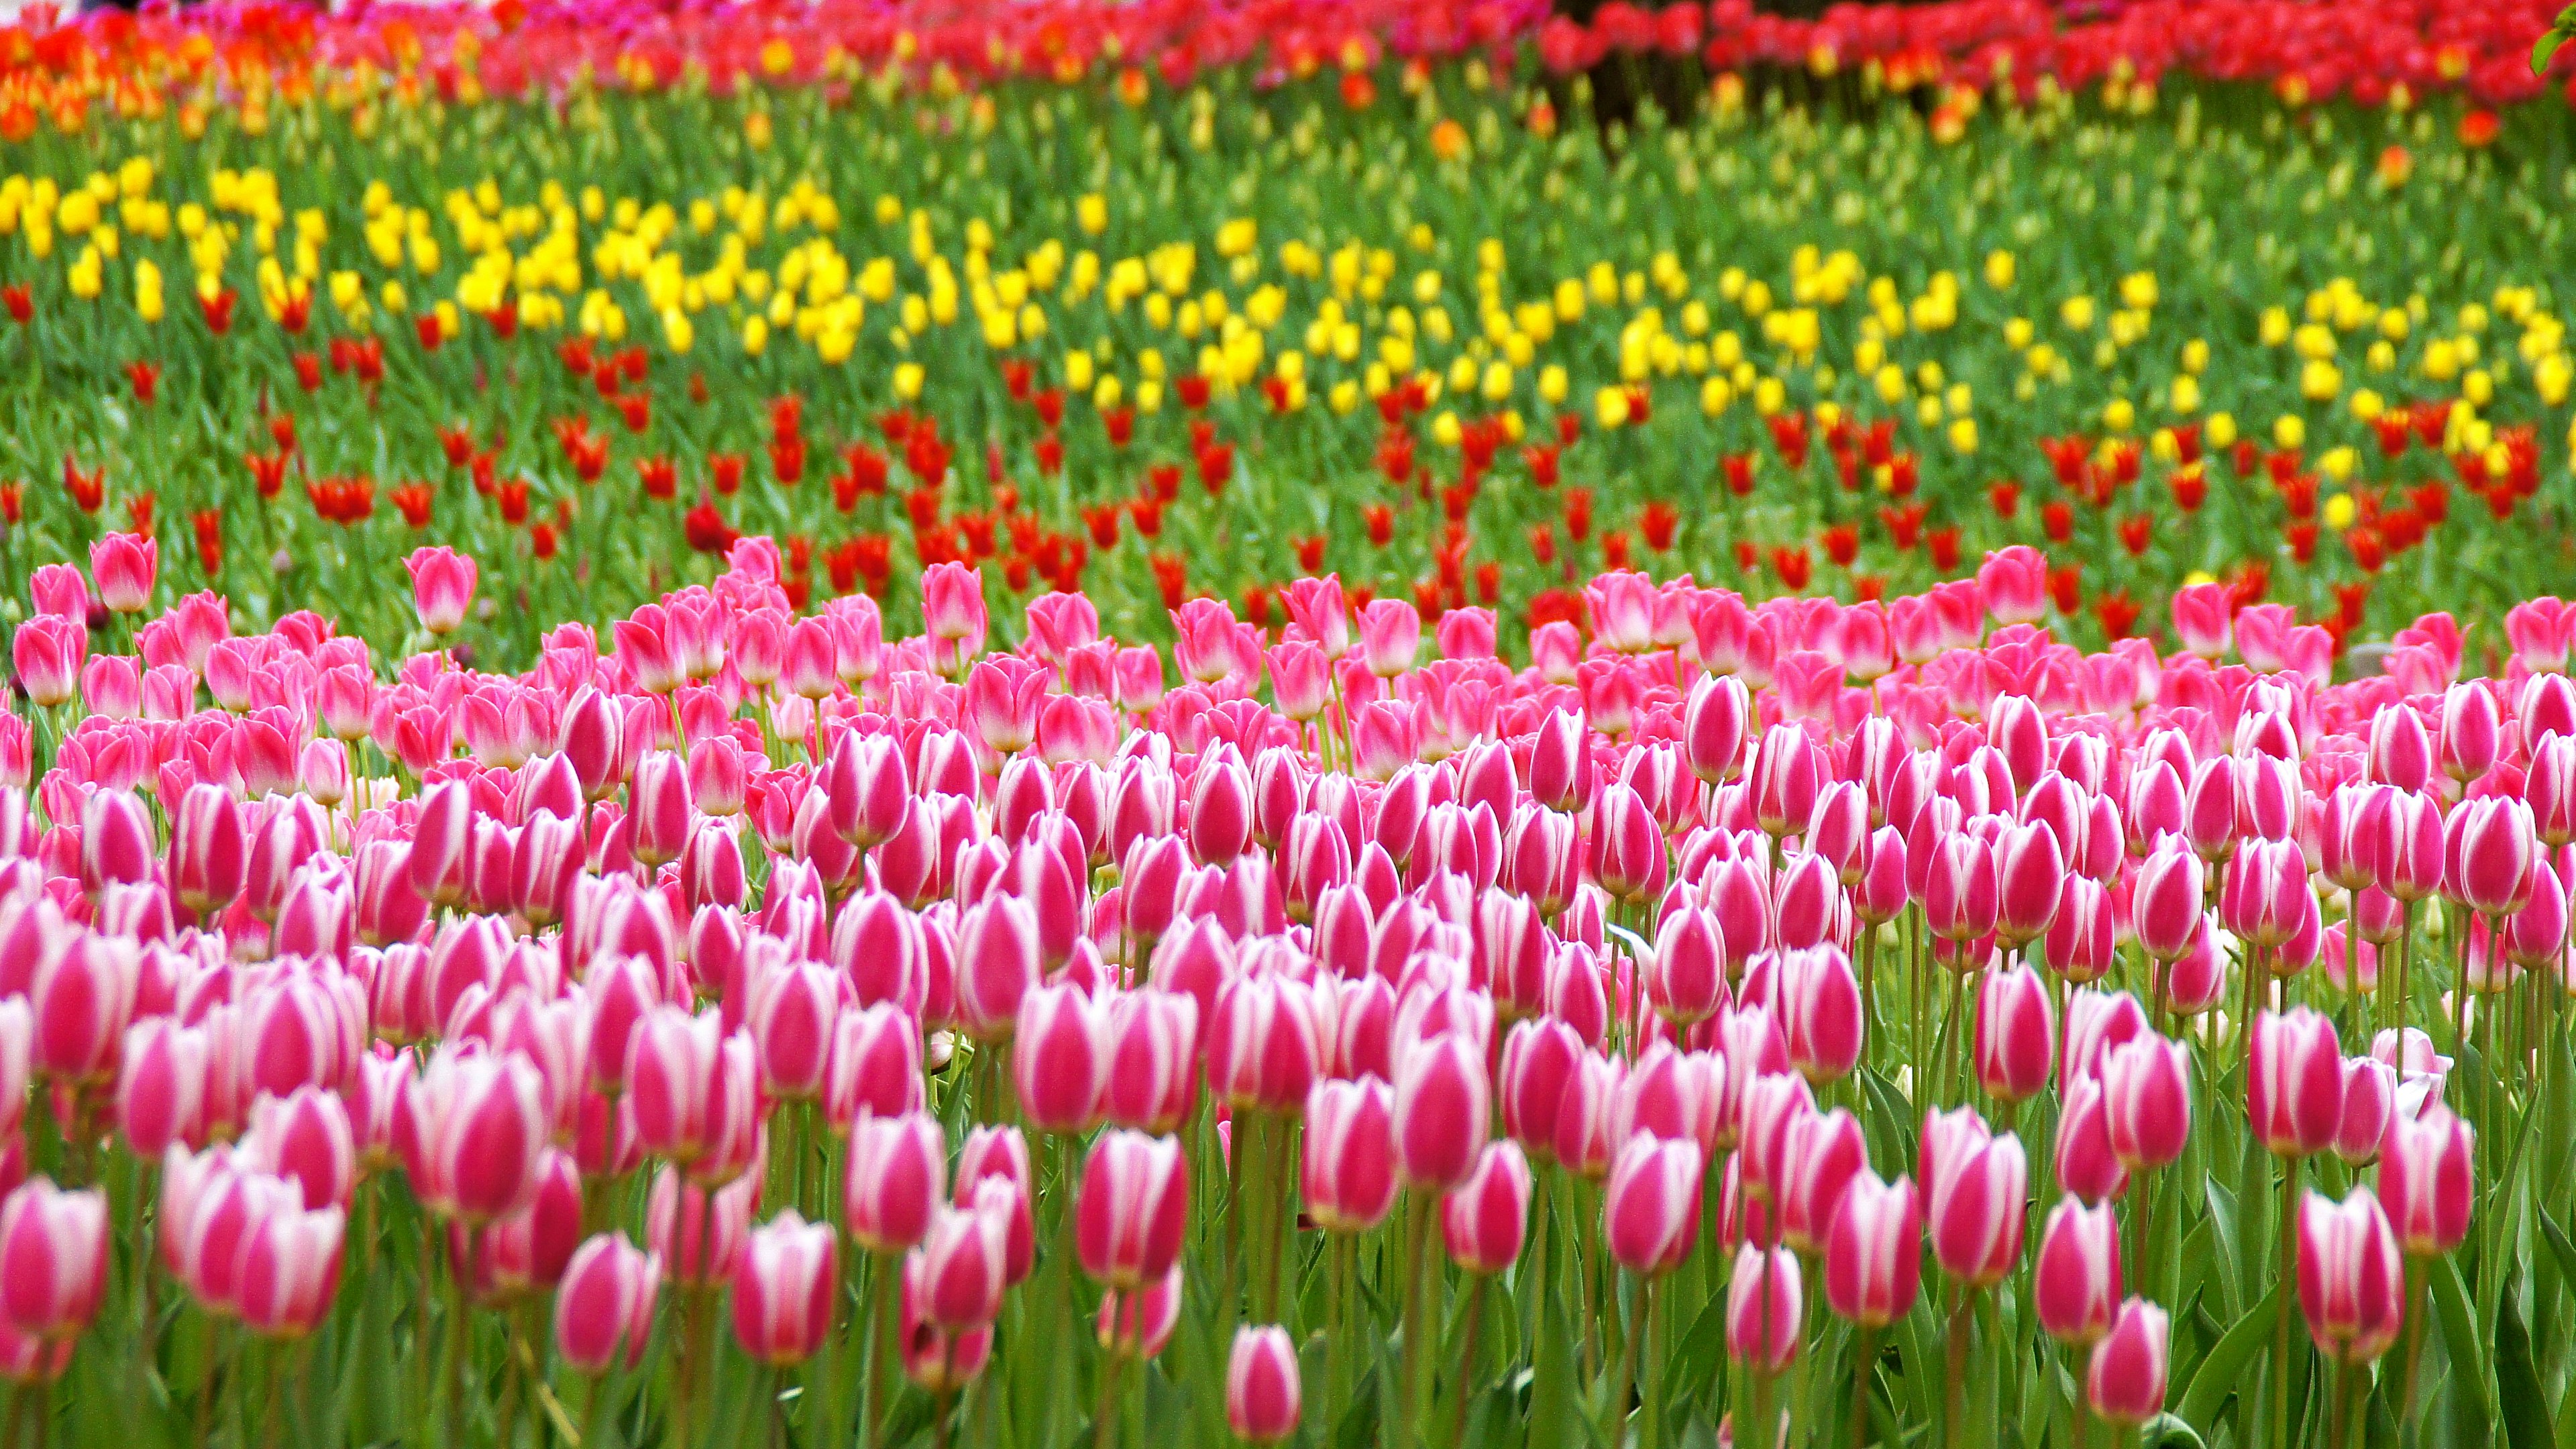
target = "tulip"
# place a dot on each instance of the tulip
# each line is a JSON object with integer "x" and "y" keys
{"x": 1133, "y": 1211}
{"x": 160, "y": 1084}
{"x": 784, "y": 1289}
{"x": 895, "y": 1179}
{"x": 1685, "y": 978}
{"x": 1873, "y": 1251}
{"x": 208, "y": 850}
{"x": 1651, "y": 1204}
{"x": 2294, "y": 1092}
{"x": 939, "y": 1358}
{"x": 2016, "y": 1035}
{"x": 2126, "y": 1382}
{"x": 2426, "y": 1180}
{"x": 304, "y": 1138}
{"x": 1347, "y": 1175}
{"x": 790, "y": 1018}
{"x": 1390, "y": 635}
{"x": 1713, "y": 725}
{"x": 2086, "y": 1163}
{"x": 2146, "y": 1100}
{"x": 1440, "y": 1112}
{"x": 124, "y": 565}
{"x": 1960, "y": 890}
{"x": 1763, "y": 1304}
{"x": 483, "y": 1133}
{"x": 997, "y": 965}
{"x": 53, "y": 1258}
{"x": 993, "y": 1178}
{"x": 605, "y": 1304}
{"x": 2076, "y": 1284}
{"x": 1820, "y": 1013}
{"x": 1153, "y": 1068}
{"x": 875, "y": 1067}
{"x": 1821, "y": 1154}
{"x": 693, "y": 1089}
{"x": 1974, "y": 1198}
{"x": 1060, "y": 1059}
{"x": 289, "y": 1271}
{"x": 2352, "y": 1281}
{"x": 2471, "y": 731}
{"x": 1140, "y": 1325}
{"x": 1483, "y": 1219}
{"x": 2369, "y": 1105}
{"x": 442, "y": 585}
{"x": 1261, "y": 1401}
{"x": 2489, "y": 868}
{"x": 2030, "y": 875}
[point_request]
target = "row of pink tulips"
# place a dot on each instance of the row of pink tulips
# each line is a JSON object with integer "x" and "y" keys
{"x": 875, "y": 987}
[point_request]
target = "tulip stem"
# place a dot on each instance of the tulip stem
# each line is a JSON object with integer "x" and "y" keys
{"x": 2287, "y": 1271}
{"x": 1417, "y": 1294}
{"x": 2082, "y": 1429}
{"x": 1955, "y": 1382}
{"x": 886, "y": 1349}
{"x": 2417, "y": 1302}
{"x": 1864, "y": 1365}
{"x": 1104, "y": 1420}
{"x": 1467, "y": 1360}
{"x": 1616, "y": 1407}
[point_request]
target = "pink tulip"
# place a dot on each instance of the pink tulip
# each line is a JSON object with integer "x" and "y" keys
{"x": 993, "y": 1177}
{"x": 1651, "y": 1204}
{"x": 1764, "y": 1302}
{"x": 305, "y": 1138}
{"x": 1261, "y": 1394}
{"x": 1266, "y": 1042}
{"x": 2352, "y": 1282}
{"x": 1440, "y": 1112}
{"x": 2016, "y": 1035}
{"x": 697, "y": 1233}
{"x": 604, "y": 1308}
{"x": 2408, "y": 860}
{"x": 290, "y": 1269}
{"x": 483, "y": 1132}
{"x": 2030, "y": 875}
{"x": 208, "y": 850}
{"x": 2201, "y": 616}
{"x": 2426, "y": 1180}
{"x": 160, "y": 1084}
{"x": 1153, "y": 1066}
{"x": 1133, "y": 1212}
{"x": 2086, "y": 1164}
{"x": 1390, "y": 636}
{"x": 1820, "y": 1013}
{"x": 790, "y": 1017}
{"x": 896, "y": 1177}
{"x": 2126, "y": 1382}
{"x": 1347, "y": 1175}
{"x": 1959, "y": 898}
{"x": 1975, "y": 1184}
{"x": 2076, "y": 1284}
{"x": 784, "y": 1290}
{"x": 2471, "y": 731}
{"x": 48, "y": 651}
{"x": 997, "y": 965}
{"x": 960, "y": 1264}
{"x": 2146, "y": 1100}
{"x": 1713, "y": 728}
{"x": 938, "y": 1358}
{"x": 875, "y": 1067}
{"x": 693, "y": 1089}
{"x": 124, "y": 564}
{"x": 1685, "y": 978}
{"x": 53, "y": 1258}
{"x": 1873, "y": 1251}
{"x": 2488, "y": 855}
{"x": 1139, "y": 1325}
{"x": 442, "y": 586}
{"x": 1822, "y": 1153}
{"x": 1483, "y": 1219}
{"x": 2295, "y": 1095}
{"x": 1060, "y": 1059}
{"x": 2369, "y": 1106}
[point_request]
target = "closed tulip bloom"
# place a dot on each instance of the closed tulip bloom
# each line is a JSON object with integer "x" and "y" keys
{"x": 2471, "y": 736}
{"x": 997, "y": 964}
{"x": 1538, "y": 1058}
{"x": 2294, "y": 1097}
{"x": 1823, "y": 1152}
{"x": 1441, "y": 1111}
{"x": 1686, "y": 976}
{"x": 208, "y": 849}
{"x": 2407, "y": 863}
{"x": 1133, "y": 1213}
{"x": 290, "y": 1269}
{"x": 442, "y": 583}
{"x": 1806, "y": 902}
{"x": 2030, "y": 874}
{"x": 53, "y": 1258}
{"x": 875, "y": 1067}
{"x": 483, "y": 1134}
{"x": 2352, "y": 1281}
{"x": 790, "y": 1017}
{"x": 937, "y": 1358}
{"x": 694, "y": 1091}
{"x": 2400, "y": 749}
{"x": 993, "y": 1177}
{"x": 783, "y": 1290}
{"x": 1874, "y": 1251}
{"x": 1153, "y": 1064}
{"x": 1782, "y": 782}
{"x": 2076, "y": 1285}
{"x": 2549, "y": 787}
{"x": 1267, "y": 1039}
{"x": 1347, "y": 1174}
{"x": 2209, "y": 809}
{"x": 1561, "y": 772}
{"x": 305, "y": 1138}
{"x": 1586, "y": 1141}
{"x": 2426, "y": 1179}
{"x": 1627, "y": 844}
{"x": 897, "y": 1174}
{"x": 2489, "y": 859}
{"x": 1975, "y": 1183}
{"x": 1820, "y": 1013}
{"x": 1713, "y": 725}
{"x": 2086, "y": 1164}
{"x": 1483, "y": 1220}
{"x": 1060, "y": 1059}
{"x": 2016, "y": 1035}
{"x": 604, "y": 1307}
{"x": 1650, "y": 1205}
{"x": 1959, "y": 898}
{"x": 2126, "y": 1383}
{"x": 160, "y": 1083}
{"x": 2369, "y": 1105}
{"x": 961, "y": 1263}
{"x": 1139, "y": 1325}
{"x": 2083, "y": 941}
{"x": 1764, "y": 1302}
{"x": 2146, "y": 1100}
{"x": 1261, "y": 1396}
{"x": 2197, "y": 980}
{"x": 49, "y": 651}
{"x": 1879, "y": 895}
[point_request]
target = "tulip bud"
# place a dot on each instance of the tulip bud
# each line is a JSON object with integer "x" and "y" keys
{"x": 2146, "y": 1100}
{"x": 604, "y": 1307}
{"x": 2426, "y": 1180}
{"x": 1261, "y": 1397}
{"x": 289, "y": 1270}
{"x": 2126, "y": 1383}
{"x": 53, "y": 1259}
{"x": 2352, "y": 1282}
{"x": 1873, "y": 1251}
{"x": 2016, "y": 1035}
{"x": 1763, "y": 1306}
{"x": 2076, "y": 1285}
{"x": 1347, "y": 1176}
{"x": 2294, "y": 1098}
{"x": 1133, "y": 1212}
{"x": 1483, "y": 1219}
{"x": 1651, "y": 1204}
{"x": 1976, "y": 1184}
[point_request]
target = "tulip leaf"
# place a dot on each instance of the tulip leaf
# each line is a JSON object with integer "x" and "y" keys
{"x": 2545, "y": 47}
{"x": 2166, "y": 1431}
{"x": 2559, "y": 1245}
{"x": 2460, "y": 1335}
{"x": 1700, "y": 1351}
{"x": 1551, "y": 1404}
{"x": 2526, "y": 1416}
{"x": 2219, "y": 1373}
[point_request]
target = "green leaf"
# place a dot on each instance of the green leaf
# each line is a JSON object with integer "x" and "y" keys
{"x": 2165, "y": 1431}
{"x": 2546, "y": 47}
{"x": 2460, "y": 1335}
{"x": 2559, "y": 1245}
{"x": 1701, "y": 1350}
{"x": 2526, "y": 1411}
{"x": 2217, "y": 1377}
{"x": 1551, "y": 1408}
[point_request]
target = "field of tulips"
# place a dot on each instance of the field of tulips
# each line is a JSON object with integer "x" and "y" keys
{"x": 1164, "y": 302}
{"x": 1338, "y": 723}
